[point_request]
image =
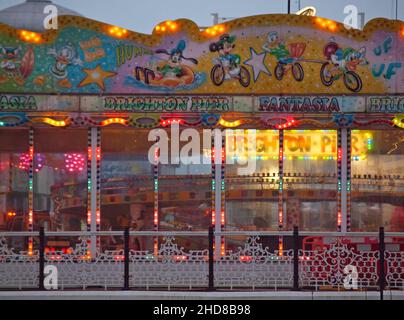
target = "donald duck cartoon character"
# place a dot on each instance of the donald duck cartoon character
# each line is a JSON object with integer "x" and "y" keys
{"x": 64, "y": 57}
{"x": 276, "y": 47}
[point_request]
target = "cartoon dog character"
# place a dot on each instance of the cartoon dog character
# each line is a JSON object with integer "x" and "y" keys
{"x": 173, "y": 66}
{"x": 172, "y": 73}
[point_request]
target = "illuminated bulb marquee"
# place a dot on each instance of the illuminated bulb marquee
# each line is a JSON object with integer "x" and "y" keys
{"x": 167, "y": 26}
{"x": 215, "y": 30}
{"x": 30, "y": 36}
{"x": 298, "y": 144}
{"x": 117, "y": 32}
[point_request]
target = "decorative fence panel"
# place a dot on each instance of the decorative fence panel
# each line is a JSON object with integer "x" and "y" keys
{"x": 335, "y": 265}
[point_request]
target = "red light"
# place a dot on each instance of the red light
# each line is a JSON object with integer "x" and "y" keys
{"x": 340, "y": 154}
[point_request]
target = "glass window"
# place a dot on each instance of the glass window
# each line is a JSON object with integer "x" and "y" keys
{"x": 14, "y": 167}
{"x": 60, "y": 179}
{"x": 252, "y": 194}
{"x": 310, "y": 179}
{"x": 127, "y": 186}
{"x": 377, "y": 196}
{"x": 185, "y": 192}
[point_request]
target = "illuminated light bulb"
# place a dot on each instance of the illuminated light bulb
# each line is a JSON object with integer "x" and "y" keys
{"x": 118, "y": 32}
{"x": 30, "y": 36}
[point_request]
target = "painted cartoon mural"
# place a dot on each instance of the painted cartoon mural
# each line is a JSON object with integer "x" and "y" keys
{"x": 171, "y": 73}
{"x": 287, "y": 58}
{"x": 227, "y": 66}
{"x": 343, "y": 63}
{"x": 270, "y": 54}
{"x": 14, "y": 67}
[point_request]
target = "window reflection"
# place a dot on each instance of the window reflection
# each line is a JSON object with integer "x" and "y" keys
{"x": 185, "y": 193}
{"x": 60, "y": 179}
{"x": 127, "y": 186}
{"x": 310, "y": 179}
{"x": 377, "y": 180}
{"x": 252, "y": 197}
{"x": 14, "y": 166}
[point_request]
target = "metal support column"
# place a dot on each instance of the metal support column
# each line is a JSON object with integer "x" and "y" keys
{"x": 93, "y": 188}
{"x": 344, "y": 161}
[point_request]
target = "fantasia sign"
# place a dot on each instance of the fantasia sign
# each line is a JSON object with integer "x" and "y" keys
{"x": 310, "y": 104}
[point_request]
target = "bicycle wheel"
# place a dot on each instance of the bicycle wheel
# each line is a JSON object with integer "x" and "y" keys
{"x": 217, "y": 75}
{"x": 244, "y": 77}
{"x": 297, "y": 71}
{"x": 279, "y": 71}
{"x": 325, "y": 74}
{"x": 352, "y": 81}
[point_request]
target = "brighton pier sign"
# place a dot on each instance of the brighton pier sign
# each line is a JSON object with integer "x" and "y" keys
{"x": 290, "y": 104}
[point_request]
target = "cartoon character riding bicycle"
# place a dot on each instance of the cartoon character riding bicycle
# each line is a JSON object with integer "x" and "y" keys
{"x": 343, "y": 63}
{"x": 288, "y": 58}
{"x": 227, "y": 66}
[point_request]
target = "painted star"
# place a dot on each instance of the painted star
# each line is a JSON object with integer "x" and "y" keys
{"x": 96, "y": 76}
{"x": 257, "y": 63}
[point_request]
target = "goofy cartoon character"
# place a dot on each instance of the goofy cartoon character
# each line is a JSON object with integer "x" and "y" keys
{"x": 173, "y": 67}
{"x": 171, "y": 73}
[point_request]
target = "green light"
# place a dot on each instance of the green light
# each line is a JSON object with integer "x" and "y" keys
{"x": 2, "y": 123}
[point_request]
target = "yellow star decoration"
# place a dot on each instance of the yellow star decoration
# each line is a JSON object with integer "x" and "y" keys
{"x": 96, "y": 76}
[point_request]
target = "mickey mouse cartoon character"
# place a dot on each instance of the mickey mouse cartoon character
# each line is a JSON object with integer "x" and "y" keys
{"x": 228, "y": 65}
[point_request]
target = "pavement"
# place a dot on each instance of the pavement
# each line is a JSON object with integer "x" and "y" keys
{"x": 199, "y": 295}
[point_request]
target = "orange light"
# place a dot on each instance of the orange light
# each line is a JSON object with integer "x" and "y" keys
{"x": 113, "y": 120}
{"x": 117, "y": 32}
{"x": 325, "y": 23}
{"x": 280, "y": 249}
{"x": 168, "y": 25}
{"x": 215, "y": 30}
{"x": 29, "y": 36}
{"x": 11, "y": 214}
